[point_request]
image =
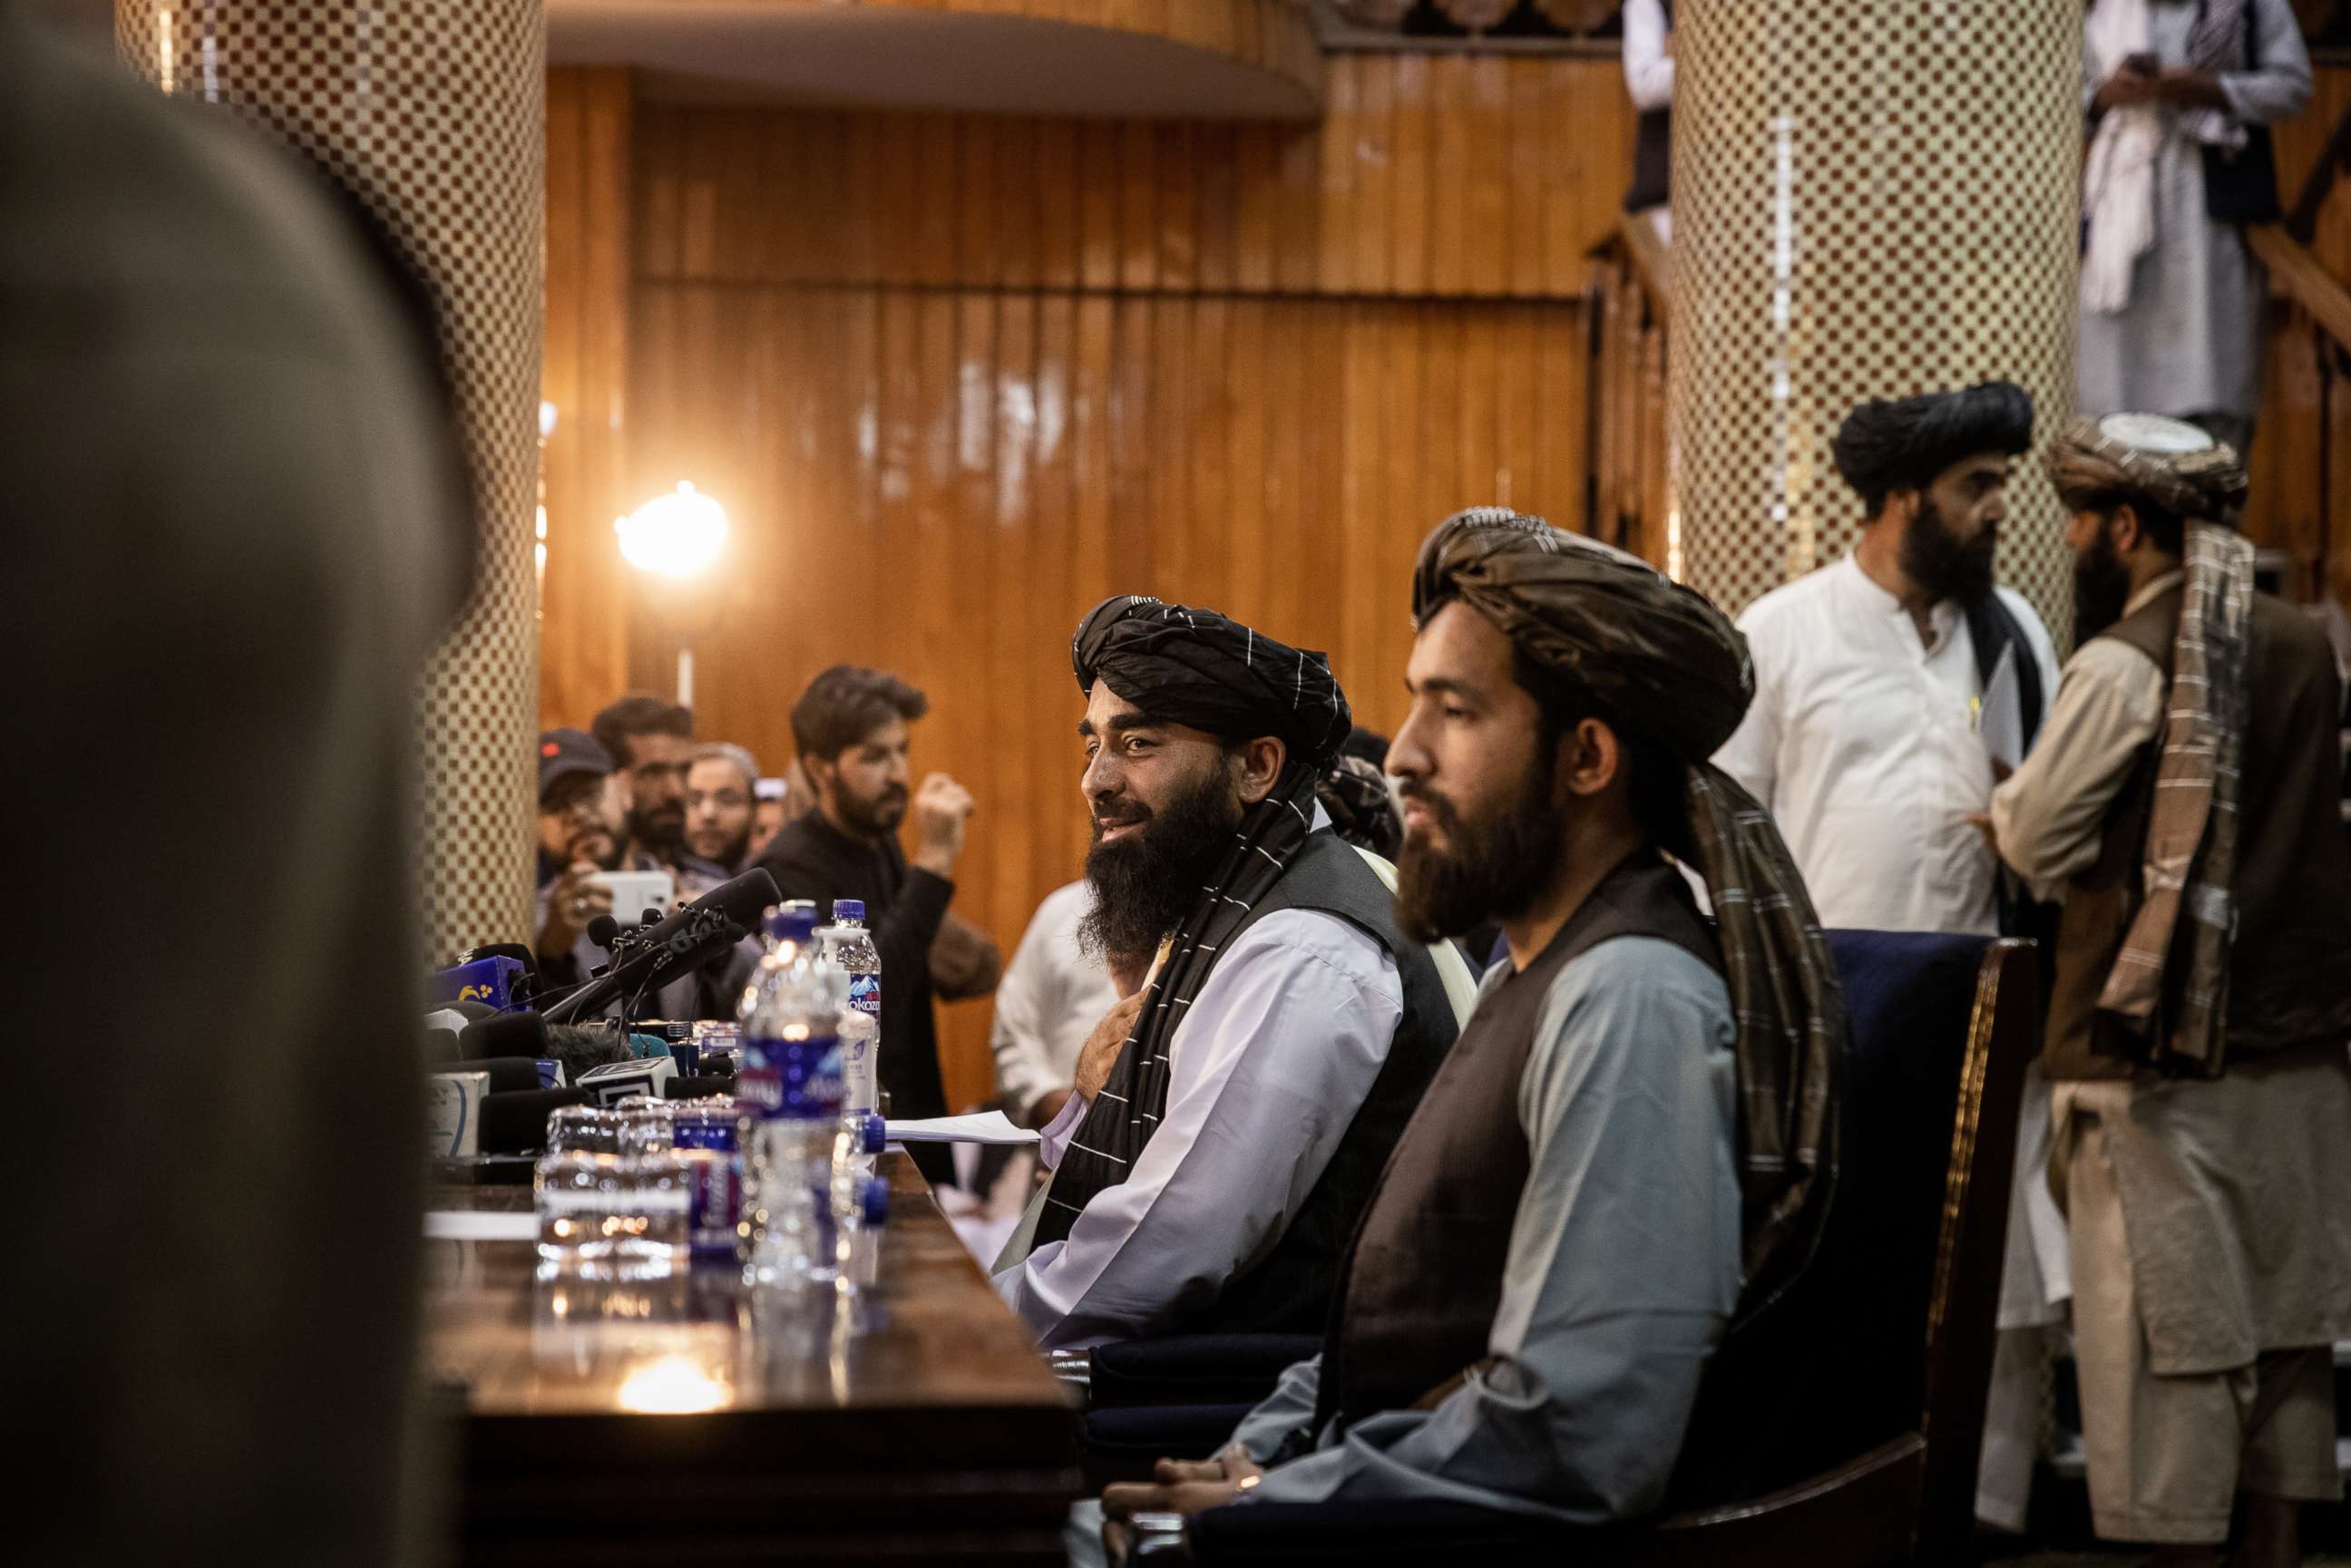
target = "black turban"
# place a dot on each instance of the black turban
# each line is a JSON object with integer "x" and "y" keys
{"x": 1901, "y": 443}
{"x": 1194, "y": 668}
{"x": 1659, "y": 658}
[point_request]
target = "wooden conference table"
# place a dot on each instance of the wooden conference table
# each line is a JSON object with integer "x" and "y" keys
{"x": 685, "y": 1422}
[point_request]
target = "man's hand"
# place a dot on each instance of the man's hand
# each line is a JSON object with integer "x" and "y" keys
{"x": 2183, "y": 87}
{"x": 2126, "y": 88}
{"x": 1180, "y": 1487}
{"x": 1982, "y": 823}
{"x": 942, "y": 808}
{"x": 1103, "y": 1046}
{"x": 572, "y": 904}
{"x": 1047, "y": 1106}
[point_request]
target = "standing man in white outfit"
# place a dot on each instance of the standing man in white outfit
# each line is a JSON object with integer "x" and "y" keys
{"x": 1893, "y": 689}
{"x": 1052, "y": 995}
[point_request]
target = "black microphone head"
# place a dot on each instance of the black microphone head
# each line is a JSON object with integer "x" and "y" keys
{"x": 716, "y": 920}
{"x": 602, "y": 929}
{"x": 508, "y": 1034}
{"x": 650, "y": 917}
{"x": 515, "y": 1122}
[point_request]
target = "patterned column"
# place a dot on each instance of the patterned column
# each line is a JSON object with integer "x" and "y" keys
{"x": 433, "y": 113}
{"x": 1870, "y": 198}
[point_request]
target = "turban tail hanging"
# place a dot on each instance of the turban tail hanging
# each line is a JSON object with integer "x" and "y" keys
{"x": 1192, "y": 667}
{"x": 2168, "y": 988}
{"x": 1612, "y": 625}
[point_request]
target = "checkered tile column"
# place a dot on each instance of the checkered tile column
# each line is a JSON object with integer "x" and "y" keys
{"x": 1870, "y": 198}
{"x": 433, "y": 114}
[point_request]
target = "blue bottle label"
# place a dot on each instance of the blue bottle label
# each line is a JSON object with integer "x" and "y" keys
{"x": 865, "y": 993}
{"x": 794, "y": 1079}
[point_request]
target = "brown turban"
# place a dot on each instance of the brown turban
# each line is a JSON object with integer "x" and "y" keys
{"x": 1645, "y": 647}
{"x": 2173, "y": 464}
{"x": 1663, "y": 654}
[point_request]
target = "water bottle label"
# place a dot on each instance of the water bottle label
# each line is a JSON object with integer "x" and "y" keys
{"x": 865, "y": 993}
{"x": 799, "y": 1079}
{"x": 705, "y": 1134}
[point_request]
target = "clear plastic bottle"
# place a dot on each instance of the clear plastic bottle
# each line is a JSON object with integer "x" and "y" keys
{"x": 788, "y": 1090}
{"x": 860, "y": 1028}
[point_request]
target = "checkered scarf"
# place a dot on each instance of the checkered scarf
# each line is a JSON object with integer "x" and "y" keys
{"x": 1673, "y": 668}
{"x": 2170, "y": 985}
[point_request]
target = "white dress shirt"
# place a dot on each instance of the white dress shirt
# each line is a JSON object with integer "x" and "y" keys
{"x": 1862, "y": 740}
{"x": 1649, "y": 69}
{"x": 1051, "y": 996}
{"x": 1265, "y": 1074}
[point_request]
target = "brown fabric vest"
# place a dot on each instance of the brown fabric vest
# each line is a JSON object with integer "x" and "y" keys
{"x": 2290, "y": 965}
{"x": 1425, "y": 1276}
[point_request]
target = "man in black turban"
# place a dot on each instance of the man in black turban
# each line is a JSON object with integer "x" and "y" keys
{"x": 1635, "y": 1139}
{"x": 1893, "y": 689}
{"x": 1229, "y": 1117}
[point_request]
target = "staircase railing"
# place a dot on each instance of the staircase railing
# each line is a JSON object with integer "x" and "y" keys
{"x": 1631, "y": 497}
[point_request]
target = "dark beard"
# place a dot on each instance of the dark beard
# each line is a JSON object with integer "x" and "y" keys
{"x": 1496, "y": 865}
{"x": 1944, "y": 566}
{"x": 1145, "y": 883}
{"x": 876, "y": 819}
{"x": 661, "y": 832}
{"x": 2101, "y": 589}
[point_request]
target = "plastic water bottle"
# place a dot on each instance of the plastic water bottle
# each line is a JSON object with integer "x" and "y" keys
{"x": 860, "y": 1028}
{"x": 789, "y": 1089}
{"x": 861, "y": 1237}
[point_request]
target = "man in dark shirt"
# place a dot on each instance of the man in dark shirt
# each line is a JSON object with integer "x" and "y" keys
{"x": 851, "y": 729}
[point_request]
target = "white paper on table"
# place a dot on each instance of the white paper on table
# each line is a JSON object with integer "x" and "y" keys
{"x": 480, "y": 1225}
{"x": 985, "y": 1127}
{"x": 2001, "y": 720}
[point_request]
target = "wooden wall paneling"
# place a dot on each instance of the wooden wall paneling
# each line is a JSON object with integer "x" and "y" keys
{"x": 1058, "y": 210}
{"x": 583, "y": 624}
{"x": 1133, "y": 443}
{"x": 1097, "y": 574}
{"x": 1178, "y": 174}
{"x": 1562, "y": 367}
{"x": 1450, "y": 131}
{"x": 939, "y": 201}
{"x": 1339, "y": 141}
{"x": 1018, "y": 773}
{"x": 2335, "y": 480}
{"x": 1177, "y": 529}
{"x": 1361, "y": 487}
{"x": 1245, "y": 368}
{"x": 1371, "y": 154}
{"x": 1055, "y": 600}
{"x": 1525, "y": 209}
{"x": 898, "y": 199}
{"x": 979, "y": 253}
{"x": 1217, "y": 149}
{"x": 1138, "y": 206}
{"x": 1481, "y": 356}
{"x": 1517, "y": 479}
{"x": 2299, "y": 140}
{"x": 1298, "y": 209}
{"x": 1017, "y": 198}
{"x": 1487, "y": 234}
{"x": 1211, "y": 455}
{"x": 1255, "y": 230}
{"x": 1098, "y": 204}
{"x": 1410, "y": 211}
{"x": 1277, "y": 602}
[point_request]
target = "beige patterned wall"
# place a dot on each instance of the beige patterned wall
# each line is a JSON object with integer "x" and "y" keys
{"x": 1871, "y": 198}
{"x": 433, "y": 112}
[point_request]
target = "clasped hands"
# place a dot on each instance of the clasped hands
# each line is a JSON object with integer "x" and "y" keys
{"x": 1178, "y": 1486}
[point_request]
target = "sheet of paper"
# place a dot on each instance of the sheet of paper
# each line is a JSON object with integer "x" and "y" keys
{"x": 987, "y": 1127}
{"x": 2001, "y": 720}
{"x": 478, "y": 1225}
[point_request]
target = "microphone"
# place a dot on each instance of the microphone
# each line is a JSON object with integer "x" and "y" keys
{"x": 661, "y": 952}
{"x": 508, "y": 1034}
{"x": 602, "y": 930}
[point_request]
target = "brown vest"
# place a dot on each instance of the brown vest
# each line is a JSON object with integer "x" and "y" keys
{"x": 2290, "y": 965}
{"x": 1425, "y": 1276}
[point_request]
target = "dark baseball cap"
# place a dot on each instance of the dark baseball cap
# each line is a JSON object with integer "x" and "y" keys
{"x": 563, "y": 752}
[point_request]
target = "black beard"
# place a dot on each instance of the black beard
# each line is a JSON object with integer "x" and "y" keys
{"x": 1942, "y": 566}
{"x": 1496, "y": 867}
{"x": 661, "y": 831}
{"x": 1147, "y": 883}
{"x": 875, "y": 819}
{"x": 2101, "y": 589}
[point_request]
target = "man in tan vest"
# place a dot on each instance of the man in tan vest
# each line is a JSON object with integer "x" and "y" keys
{"x": 2184, "y": 802}
{"x": 1558, "y": 1242}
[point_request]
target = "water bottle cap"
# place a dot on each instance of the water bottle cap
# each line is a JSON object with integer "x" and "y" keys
{"x": 876, "y": 1200}
{"x": 872, "y": 1134}
{"x": 849, "y": 909}
{"x": 792, "y": 923}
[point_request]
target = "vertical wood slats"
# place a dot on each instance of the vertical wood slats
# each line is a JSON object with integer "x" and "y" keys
{"x": 1471, "y": 176}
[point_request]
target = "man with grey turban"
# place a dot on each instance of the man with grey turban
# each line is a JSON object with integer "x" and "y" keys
{"x": 1635, "y": 1139}
{"x": 2185, "y": 804}
{"x": 1892, "y": 689}
{"x": 1229, "y": 1117}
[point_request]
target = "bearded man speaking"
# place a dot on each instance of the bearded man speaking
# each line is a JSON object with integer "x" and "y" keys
{"x": 1231, "y": 1115}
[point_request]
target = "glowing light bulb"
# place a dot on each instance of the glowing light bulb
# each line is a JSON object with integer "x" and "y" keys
{"x": 677, "y": 535}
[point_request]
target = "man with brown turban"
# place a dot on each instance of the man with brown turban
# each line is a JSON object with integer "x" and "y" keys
{"x": 1640, "y": 1113}
{"x": 2184, "y": 801}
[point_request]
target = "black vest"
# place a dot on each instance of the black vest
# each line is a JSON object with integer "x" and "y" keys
{"x": 1425, "y": 1276}
{"x": 1289, "y": 1292}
